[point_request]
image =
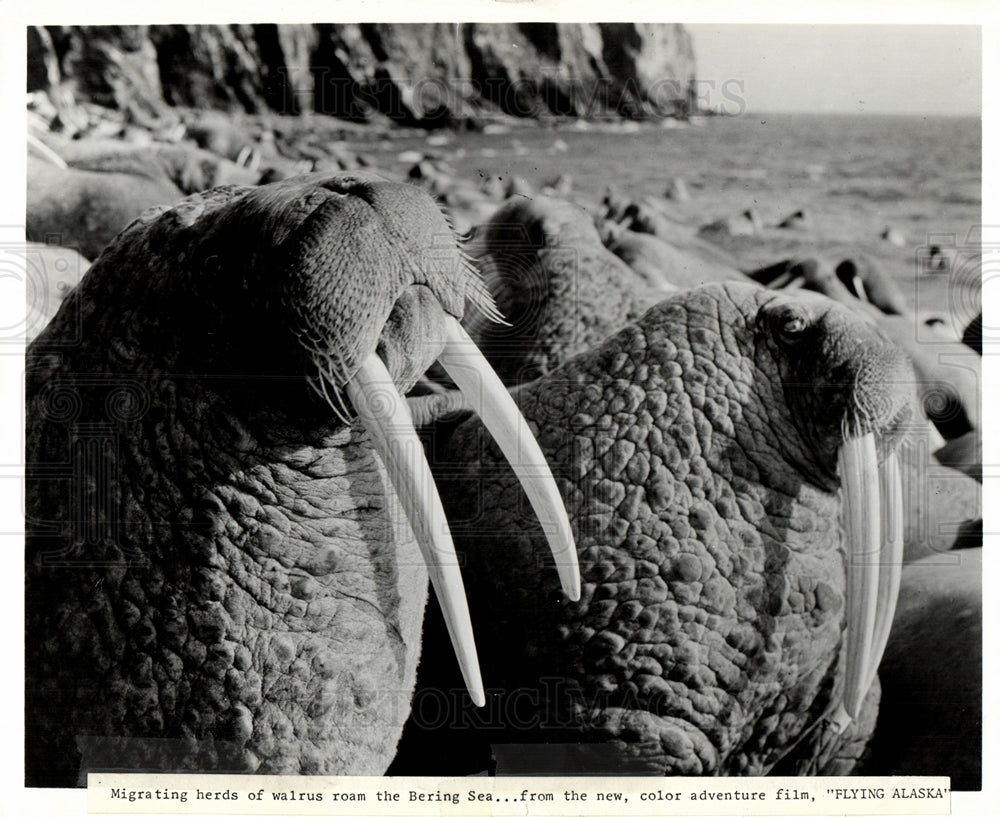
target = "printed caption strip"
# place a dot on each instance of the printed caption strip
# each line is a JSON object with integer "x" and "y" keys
{"x": 416, "y": 796}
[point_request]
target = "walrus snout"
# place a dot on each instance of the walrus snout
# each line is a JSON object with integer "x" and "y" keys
{"x": 350, "y": 263}
{"x": 413, "y": 337}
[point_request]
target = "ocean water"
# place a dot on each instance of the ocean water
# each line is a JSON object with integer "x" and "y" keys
{"x": 805, "y": 157}
{"x": 854, "y": 175}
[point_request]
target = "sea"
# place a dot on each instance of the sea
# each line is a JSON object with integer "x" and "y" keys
{"x": 857, "y": 177}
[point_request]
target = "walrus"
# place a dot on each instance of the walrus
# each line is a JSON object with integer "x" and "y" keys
{"x": 729, "y": 623}
{"x": 84, "y": 209}
{"x": 219, "y": 575}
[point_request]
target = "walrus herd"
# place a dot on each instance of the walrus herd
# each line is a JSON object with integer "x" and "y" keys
{"x": 683, "y": 497}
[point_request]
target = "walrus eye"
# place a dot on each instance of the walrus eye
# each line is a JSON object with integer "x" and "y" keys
{"x": 789, "y": 323}
{"x": 793, "y": 326}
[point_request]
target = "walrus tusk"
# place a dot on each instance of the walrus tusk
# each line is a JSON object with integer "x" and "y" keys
{"x": 249, "y": 158}
{"x": 384, "y": 414}
{"x": 489, "y": 398}
{"x": 787, "y": 280}
{"x": 873, "y": 517}
{"x": 861, "y": 506}
{"x": 890, "y": 568}
{"x": 859, "y": 288}
{"x": 46, "y": 152}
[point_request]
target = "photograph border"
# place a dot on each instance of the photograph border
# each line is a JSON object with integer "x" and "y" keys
{"x": 15, "y": 16}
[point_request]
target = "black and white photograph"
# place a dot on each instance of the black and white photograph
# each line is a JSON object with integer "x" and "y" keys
{"x": 504, "y": 391}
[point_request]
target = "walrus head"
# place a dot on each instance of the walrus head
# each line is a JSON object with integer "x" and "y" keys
{"x": 707, "y": 453}
{"x": 850, "y": 397}
{"x": 357, "y": 284}
{"x": 223, "y": 464}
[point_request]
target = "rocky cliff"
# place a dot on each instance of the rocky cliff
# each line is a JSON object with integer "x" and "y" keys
{"x": 416, "y": 74}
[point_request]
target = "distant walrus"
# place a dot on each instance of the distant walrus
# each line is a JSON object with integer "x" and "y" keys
{"x": 558, "y": 286}
{"x": 662, "y": 264}
{"x": 869, "y": 281}
{"x": 85, "y": 209}
{"x": 188, "y": 168}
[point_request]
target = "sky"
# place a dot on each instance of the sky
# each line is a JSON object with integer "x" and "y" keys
{"x": 840, "y": 68}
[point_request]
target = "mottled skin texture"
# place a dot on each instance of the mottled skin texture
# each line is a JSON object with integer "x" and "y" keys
{"x": 696, "y": 451}
{"x": 218, "y": 573}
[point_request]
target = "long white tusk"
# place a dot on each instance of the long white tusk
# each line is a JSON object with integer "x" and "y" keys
{"x": 782, "y": 280}
{"x": 243, "y": 157}
{"x": 890, "y": 570}
{"x": 46, "y": 152}
{"x": 490, "y": 399}
{"x": 385, "y": 416}
{"x": 862, "y": 519}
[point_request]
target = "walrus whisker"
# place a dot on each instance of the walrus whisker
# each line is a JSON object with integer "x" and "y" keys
{"x": 863, "y": 416}
{"x": 481, "y": 297}
{"x": 319, "y": 385}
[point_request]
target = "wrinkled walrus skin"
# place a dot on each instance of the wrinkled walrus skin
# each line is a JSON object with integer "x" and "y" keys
{"x": 697, "y": 453}
{"x": 216, "y": 577}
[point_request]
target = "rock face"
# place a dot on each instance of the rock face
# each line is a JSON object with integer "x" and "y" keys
{"x": 419, "y": 74}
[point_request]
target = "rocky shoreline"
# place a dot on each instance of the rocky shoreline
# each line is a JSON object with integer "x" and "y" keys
{"x": 422, "y": 75}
